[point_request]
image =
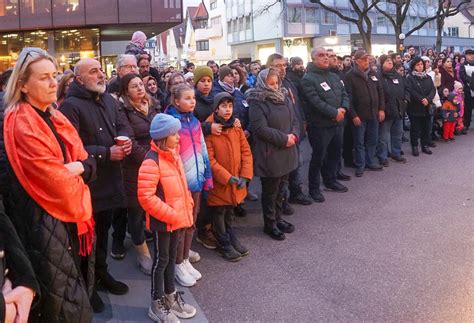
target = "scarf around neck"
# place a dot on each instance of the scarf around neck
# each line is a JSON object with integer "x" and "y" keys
{"x": 226, "y": 124}
{"x": 262, "y": 92}
{"x": 209, "y": 100}
{"x": 227, "y": 87}
{"x": 38, "y": 163}
{"x": 419, "y": 74}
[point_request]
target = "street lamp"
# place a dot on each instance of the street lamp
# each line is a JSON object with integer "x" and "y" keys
{"x": 402, "y": 38}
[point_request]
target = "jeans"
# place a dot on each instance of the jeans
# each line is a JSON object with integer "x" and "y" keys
{"x": 163, "y": 270}
{"x": 365, "y": 143}
{"x": 420, "y": 129}
{"x": 187, "y": 234}
{"x": 326, "y": 144}
{"x": 103, "y": 221}
{"x": 273, "y": 195}
{"x": 390, "y": 132}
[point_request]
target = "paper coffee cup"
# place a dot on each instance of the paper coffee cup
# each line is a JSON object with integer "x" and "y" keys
{"x": 121, "y": 140}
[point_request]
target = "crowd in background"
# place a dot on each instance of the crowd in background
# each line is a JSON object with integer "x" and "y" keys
{"x": 166, "y": 156}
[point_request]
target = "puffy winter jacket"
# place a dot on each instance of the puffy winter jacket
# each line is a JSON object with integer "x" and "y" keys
{"x": 163, "y": 191}
{"x": 230, "y": 155}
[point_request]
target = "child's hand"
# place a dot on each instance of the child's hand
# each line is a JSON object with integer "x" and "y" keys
{"x": 242, "y": 183}
{"x": 233, "y": 180}
{"x": 216, "y": 128}
{"x": 237, "y": 123}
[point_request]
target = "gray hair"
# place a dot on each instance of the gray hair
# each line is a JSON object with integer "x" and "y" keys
{"x": 315, "y": 50}
{"x": 121, "y": 59}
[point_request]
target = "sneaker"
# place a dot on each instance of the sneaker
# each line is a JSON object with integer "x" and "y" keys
{"x": 301, "y": 199}
{"x": 110, "y": 284}
{"x": 183, "y": 277}
{"x": 96, "y": 303}
{"x": 118, "y": 250}
{"x": 145, "y": 263}
{"x": 206, "y": 237}
{"x": 194, "y": 256}
{"x": 191, "y": 270}
{"x": 317, "y": 196}
{"x": 286, "y": 208}
{"x": 178, "y": 307}
{"x": 160, "y": 312}
{"x": 229, "y": 253}
{"x": 399, "y": 159}
{"x": 240, "y": 248}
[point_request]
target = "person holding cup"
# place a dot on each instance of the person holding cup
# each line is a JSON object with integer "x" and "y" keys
{"x": 95, "y": 115}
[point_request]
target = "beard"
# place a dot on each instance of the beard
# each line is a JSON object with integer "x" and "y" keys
{"x": 93, "y": 86}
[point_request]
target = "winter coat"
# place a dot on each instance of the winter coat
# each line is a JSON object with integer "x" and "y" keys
{"x": 114, "y": 86}
{"x": 193, "y": 151}
{"x": 139, "y": 127}
{"x": 420, "y": 88}
{"x": 396, "y": 94}
{"x": 324, "y": 93}
{"x": 241, "y": 107}
{"x": 448, "y": 110}
{"x": 271, "y": 125}
{"x": 98, "y": 121}
{"x": 229, "y": 155}
{"x": 467, "y": 77}
{"x": 163, "y": 191}
{"x": 296, "y": 101}
{"x": 203, "y": 110}
{"x": 3, "y": 158}
{"x": 133, "y": 49}
{"x": 366, "y": 94}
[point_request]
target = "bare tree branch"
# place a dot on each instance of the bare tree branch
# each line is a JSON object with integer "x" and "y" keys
{"x": 335, "y": 11}
{"x": 266, "y": 8}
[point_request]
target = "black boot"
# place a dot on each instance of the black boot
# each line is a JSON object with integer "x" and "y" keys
{"x": 108, "y": 283}
{"x": 426, "y": 150}
{"x": 96, "y": 302}
{"x": 414, "y": 151}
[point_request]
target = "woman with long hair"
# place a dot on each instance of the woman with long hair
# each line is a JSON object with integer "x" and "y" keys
{"x": 63, "y": 86}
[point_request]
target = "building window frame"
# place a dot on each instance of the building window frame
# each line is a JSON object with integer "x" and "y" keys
{"x": 202, "y": 45}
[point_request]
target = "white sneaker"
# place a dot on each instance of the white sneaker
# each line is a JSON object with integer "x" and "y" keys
{"x": 194, "y": 256}
{"x": 183, "y": 277}
{"x": 191, "y": 270}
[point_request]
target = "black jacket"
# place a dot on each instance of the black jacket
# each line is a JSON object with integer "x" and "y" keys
{"x": 396, "y": 94}
{"x": 203, "y": 110}
{"x": 467, "y": 79}
{"x": 420, "y": 88}
{"x": 295, "y": 98}
{"x": 98, "y": 121}
{"x": 139, "y": 127}
{"x": 324, "y": 92}
{"x": 366, "y": 94}
{"x": 271, "y": 124}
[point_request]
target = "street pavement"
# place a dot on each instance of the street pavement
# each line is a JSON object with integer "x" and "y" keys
{"x": 399, "y": 246}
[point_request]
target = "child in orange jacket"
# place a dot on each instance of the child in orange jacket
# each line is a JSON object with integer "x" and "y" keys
{"x": 164, "y": 195}
{"x": 232, "y": 168}
{"x": 450, "y": 112}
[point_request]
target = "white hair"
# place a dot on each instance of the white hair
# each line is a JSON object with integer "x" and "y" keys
{"x": 121, "y": 60}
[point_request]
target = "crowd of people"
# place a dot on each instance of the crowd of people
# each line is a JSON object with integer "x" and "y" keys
{"x": 167, "y": 156}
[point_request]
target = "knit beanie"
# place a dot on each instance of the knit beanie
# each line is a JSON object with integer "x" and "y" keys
{"x": 295, "y": 61}
{"x": 139, "y": 38}
{"x": 163, "y": 125}
{"x": 224, "y": 71}
{"x": 220, "y": 97}
{"x": 201, "y": 71}
{"x": 457, "y": 86}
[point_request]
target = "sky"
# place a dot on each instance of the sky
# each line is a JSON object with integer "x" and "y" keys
{"x": 187, "y": 3}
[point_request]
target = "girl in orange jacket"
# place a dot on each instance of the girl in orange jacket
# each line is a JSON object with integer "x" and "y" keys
{"x": 163, "y": 194}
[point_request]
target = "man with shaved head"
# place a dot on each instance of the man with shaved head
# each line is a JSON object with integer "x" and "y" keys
{"x": 94, "y": 114}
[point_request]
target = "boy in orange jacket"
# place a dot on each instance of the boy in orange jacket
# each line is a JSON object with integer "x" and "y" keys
{"x": 232, "y": 168}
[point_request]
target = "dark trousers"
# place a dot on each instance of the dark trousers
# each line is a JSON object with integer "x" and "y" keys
{"x": 119, "y": 223}
{"x": 204, "y": 217}
{"x": 187, "y": 234}
{"x": 222, "y": 219}
{"x": 420, "y": 129}
{"x": 273, "y": 195}
{"x": 348, "y": 143}
{"x": 326, "y": 144}
{"x": 134, "y": 217}
{"x": 103, "y": 221}
{"x": 163, "y": 271}
{"x": 468, "y": 106}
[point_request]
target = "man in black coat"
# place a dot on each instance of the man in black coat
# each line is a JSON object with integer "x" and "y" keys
{"x": 96, "y": 118}
{"x": 467, "y": 76}
{"x": 126, "y": 64}
{"x": 367, "y": 110}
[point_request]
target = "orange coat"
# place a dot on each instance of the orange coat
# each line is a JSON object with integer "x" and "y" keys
{"x": 167, "y": 177}
{"x": 229, "y": 155}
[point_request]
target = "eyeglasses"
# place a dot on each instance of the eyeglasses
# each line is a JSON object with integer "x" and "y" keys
{"x": 129, "y": 67}
{"x": 30, "y": 52}
{"x": 323, "y": 55}
{"x": 136, "y": 86}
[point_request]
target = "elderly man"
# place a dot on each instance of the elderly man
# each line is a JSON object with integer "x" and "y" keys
{"x": 367, "y": 110}
{"x": 96, "y": 118}
{"x": 467, "y": 76}
{"x": 327, "y": 104}
{"x": 126, "y": 64}
{"x": 295, "y": 180}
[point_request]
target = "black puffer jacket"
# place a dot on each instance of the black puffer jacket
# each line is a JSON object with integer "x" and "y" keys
{"x": 139, "y": 127}
{"x": 420, "y": 88}
{"x": 366, "y": 94}
{"x": 98, "y": 121}
{"x": 271, "y": 124}
{"x": 203, "y": 110}
{"x": 396, "y": 94}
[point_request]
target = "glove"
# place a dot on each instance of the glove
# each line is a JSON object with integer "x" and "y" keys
{"x": 233, "y": 180}
{"x": 242, "y": 183}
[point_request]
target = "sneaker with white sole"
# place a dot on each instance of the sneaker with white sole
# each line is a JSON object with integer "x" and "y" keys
{"x": 178, "y": 307}
{"x": 160, "y": 312}
{"x": 183, "y": 277}
{"x": 190, "y": 269}
{"x": 194, "y": 256}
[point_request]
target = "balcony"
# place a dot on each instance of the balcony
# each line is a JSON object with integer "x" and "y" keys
{"x": 214, "y": 31}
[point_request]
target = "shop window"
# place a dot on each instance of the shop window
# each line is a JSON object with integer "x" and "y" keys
{"x": 68, "y": 12}
{"x": 35, "y": 14}
{"x": 9, "y": 19}
{"x": 202, "y": 45}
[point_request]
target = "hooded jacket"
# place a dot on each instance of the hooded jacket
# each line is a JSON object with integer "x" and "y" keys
{"x": 241, "y": 107}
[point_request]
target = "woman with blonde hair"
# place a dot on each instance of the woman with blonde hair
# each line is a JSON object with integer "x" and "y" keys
{"x": 50, "y": 201}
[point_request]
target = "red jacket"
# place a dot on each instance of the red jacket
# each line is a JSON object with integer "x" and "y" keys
{"x": 174, "y": 209}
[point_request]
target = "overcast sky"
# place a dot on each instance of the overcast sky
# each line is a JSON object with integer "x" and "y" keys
{"x": 187, "y": 3}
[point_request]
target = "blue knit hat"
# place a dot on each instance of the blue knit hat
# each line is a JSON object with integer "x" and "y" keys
{"x": 163, "y": 125}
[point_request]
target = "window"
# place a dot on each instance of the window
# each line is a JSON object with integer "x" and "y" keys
{"x": 216, "y": 21}
{"x": 453, "y": 31}
{"x": 328, "y": 18}
{"x": 213, "y": 4}
{"x": 248, "y": 24}
{"x": 241, "y": 24}
{"x": 294, "y": 15}
{"x": 202, "y": 45}
{"x": 432, "y": 24}
{"x": 310, "y": 15}
{"x": 229, "y": 27}
{"x": 381, "y": 20}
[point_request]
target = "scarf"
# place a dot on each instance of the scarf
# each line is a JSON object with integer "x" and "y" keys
{"x": 419, "y": 74}
{"x": 262, "y": 92}
{"x": 143, "y": 108}
{"x": 226, "y": 124}
{"x": 38, "y": 162}
{"x": 209, "y": 100}
{"x": 227, "y": 87}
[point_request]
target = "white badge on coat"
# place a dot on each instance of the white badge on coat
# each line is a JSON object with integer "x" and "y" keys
{"x": 325, "y": 86}
{"x": 245, "y": 104}
{"x": 395, "y": 81}
{"x": 374, "y": 78}
{"x": 343, "y": 83}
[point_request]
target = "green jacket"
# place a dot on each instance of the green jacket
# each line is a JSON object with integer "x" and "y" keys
{"x": 324, "y": 93}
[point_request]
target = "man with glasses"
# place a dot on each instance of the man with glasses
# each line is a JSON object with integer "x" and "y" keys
{"x": 126, "y": 64}
{"x": 97, "y": 120}
{"x": 327, "y": 105}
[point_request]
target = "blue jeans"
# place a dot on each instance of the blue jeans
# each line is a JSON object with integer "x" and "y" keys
{"x": 365, "y": 143}
{"x": 390, "y": 132}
